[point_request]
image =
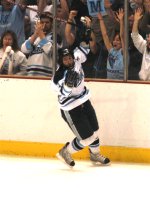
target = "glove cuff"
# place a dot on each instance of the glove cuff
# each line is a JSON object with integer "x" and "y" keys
{"x": 67, "y": 88}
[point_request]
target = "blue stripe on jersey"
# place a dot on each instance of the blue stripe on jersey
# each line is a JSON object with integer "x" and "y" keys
{"x": 66, "y": 101}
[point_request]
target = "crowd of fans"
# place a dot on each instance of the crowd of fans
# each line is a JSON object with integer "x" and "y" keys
{"x": 26, "y": 36}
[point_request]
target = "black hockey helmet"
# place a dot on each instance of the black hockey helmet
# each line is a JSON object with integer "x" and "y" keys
{"x": 64, "y": 52}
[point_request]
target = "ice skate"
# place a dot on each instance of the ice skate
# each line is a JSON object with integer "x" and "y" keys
{"x": 95, "y": 158}
{"x": 65, "y": 156}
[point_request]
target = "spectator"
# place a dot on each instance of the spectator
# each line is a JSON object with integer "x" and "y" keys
{"x": 109, "y": 20}
{"x": 135, "y": 57}
{"x": 13, "y": 61}
{"x": 36, "y": 10}
{"x": 99, "y": 67}
{"x": 39, "y": 47}
{"x": 83, "y": 36}
{"x": 115, "y": 65}
{"x": 143, "y": 45}
{"x": 62, "y": 14}
{"x": 12, "y": 18}
{"x": 81, "y": 7}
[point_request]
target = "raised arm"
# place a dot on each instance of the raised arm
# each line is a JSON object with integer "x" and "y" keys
{"x": 104, "y": 32}
{"x": 37, "y": 33}
{"x": 137, "y": 16}
{"x": 70, "y": 37}
{"x": 92, "y": 42}
{"x": 138, "y": 40}
{"x": 120, "y": 17}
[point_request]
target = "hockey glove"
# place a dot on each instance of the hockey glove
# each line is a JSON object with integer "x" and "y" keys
{"x": 72, "y": 78}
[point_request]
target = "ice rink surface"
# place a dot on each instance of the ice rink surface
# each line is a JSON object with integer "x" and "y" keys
{"x": 22, "y": 177}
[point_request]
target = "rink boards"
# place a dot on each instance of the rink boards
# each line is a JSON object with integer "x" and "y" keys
{"x": 118, "y": 154}
{"x": 31, "y": 123}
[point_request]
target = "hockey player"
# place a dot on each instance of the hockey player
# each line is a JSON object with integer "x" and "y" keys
{"x": 76, "y": 108}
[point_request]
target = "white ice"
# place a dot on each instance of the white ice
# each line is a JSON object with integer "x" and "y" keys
{"x": 22, "y": 177}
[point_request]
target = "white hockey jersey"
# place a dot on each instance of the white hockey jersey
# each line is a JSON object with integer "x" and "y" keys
{"x": 40, "y": 56}
{"x": 71, "y": 97}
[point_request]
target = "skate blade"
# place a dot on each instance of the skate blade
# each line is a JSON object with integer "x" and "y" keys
{"x": 62, "y": 159}
{"x": 100, "y": 164}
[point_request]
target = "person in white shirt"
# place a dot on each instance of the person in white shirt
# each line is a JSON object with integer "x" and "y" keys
{"x": 143, "y": 45}
{"x": 12, "y": 18}
{"x": 34, "y": 13}
{"x": 12, "y": 60}
{"x": 39, "y": 48}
